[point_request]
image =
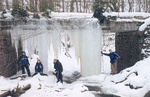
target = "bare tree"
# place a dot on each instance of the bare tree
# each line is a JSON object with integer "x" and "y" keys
{"x": 149, "y": 7}
{"x": 15, "y": 2}
{"x": 80, "y": 6}
{"x": 32, "y": 5}
{"x": 115, "y": 6}
{"x": 22, "y": 3}
{"x": 77, "y": 6}
{"x": 63, "y": 5}
{"x": 36, "y": 5}
{"x": 72, "y": 6}
{"x": 130, "y": 5}
{"x": 122, "y": 5}
{"x": 146, "y": 7}
{"x": 139, "y": 5}
{"x": 1, "y": 5}
{"x": 7, "y": 5}
{"x": 84, "y": 5}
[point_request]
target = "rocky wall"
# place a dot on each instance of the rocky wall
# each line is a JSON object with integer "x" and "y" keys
{"x": 8, "y": 55}
{"x": 128, "y": 46}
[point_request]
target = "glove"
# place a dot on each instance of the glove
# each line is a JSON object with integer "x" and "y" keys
{"x": 117, "y": 58}
{"x": 101, "y": 52}
{"x": 28, "y": 64}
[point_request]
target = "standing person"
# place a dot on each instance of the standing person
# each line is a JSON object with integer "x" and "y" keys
{"x": 59, "y": 69}
{"x": 23, "y": 60}
{"x": 113, "y": 57}
{"x": 39, "y": 68}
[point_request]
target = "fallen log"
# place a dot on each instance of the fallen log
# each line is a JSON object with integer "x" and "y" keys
{"x": 20, "y": 76}
{"x": 16, "y": 92}
{"x": 126, "y": 78}
{"x": 132, "y": 87}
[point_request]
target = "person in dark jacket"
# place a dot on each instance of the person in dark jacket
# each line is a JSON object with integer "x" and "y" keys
{"x": 113, "y": 57}
{"x": 59, "y": 69}
{"x": 39, "y": 68}
{"x": 23, "y": 60}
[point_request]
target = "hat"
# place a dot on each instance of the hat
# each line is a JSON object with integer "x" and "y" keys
{"x": 55, "y": 59}
{"x": 23, "y": 52}
{"x": 110, "y": 50}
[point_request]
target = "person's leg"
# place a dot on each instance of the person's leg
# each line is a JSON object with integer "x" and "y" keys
{"x": 57, "y": 76}
{"x": 112, "y": 69}
{"x": 28, "y": 70}
{"x": 61, "y": 79}
{"x": 23, "y": 71}
{"x": 34, "y": 74}
{"x": 43, "y": 74}
{"x": 115, "y": 65}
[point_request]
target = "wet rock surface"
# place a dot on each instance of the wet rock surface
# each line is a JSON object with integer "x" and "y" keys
{"x": 105, "y": 95}
{"x": 72, "y": 78}
{"x": 97, "y": 89}
{"x": 147, "y": 94}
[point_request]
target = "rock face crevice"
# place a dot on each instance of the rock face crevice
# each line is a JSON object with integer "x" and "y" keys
{"x": 8, "y": 55}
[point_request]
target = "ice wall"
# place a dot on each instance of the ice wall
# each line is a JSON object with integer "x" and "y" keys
{"x": 74, "y": 41}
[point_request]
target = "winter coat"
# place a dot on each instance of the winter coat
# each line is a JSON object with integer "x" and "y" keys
{"x": 112, "y": 56}
{"x": 58, "y": 66}
{"x": 23, "y": 60}
{"x": 39, "y": 67}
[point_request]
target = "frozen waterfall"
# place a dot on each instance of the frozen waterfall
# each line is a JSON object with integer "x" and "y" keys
{"x": 76, "y": 42}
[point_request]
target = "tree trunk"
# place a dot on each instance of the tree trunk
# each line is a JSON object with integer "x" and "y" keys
{"x": 146, "y": 8}
{"x": 15, "y": 2}
{"x": 80, "y": 6}
{"x": 22, "y": 3}
{"x": 84, "y": 5}
{"x": 1, "y": 5}
{"x": 36, "y": 5}
{"x": 122, "y": 5}
{"x": 77, "y": 5}
{"x": 149, "y": 6}
{"x": 63, "y": 5}
{"x": 7, "y": 4}
{"x": 140, "y": 7}
{"x": 130, "y": 5}
{"x": 72, "y": 6}
{"x": 32, "y": 5}
{"x": 115, "y": 7}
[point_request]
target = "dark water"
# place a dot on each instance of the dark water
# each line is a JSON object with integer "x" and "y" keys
{"x": 98, "y": 89}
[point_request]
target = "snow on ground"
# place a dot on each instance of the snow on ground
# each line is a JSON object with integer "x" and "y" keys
{"x": 128, "y": 14}
{"x": 43, "y": 86}
{"x": 107, "y": 82}
{"x": 71, "y": 15}
{"x": 146, "y": 23}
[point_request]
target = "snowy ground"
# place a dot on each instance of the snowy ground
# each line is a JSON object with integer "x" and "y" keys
{"x": 46, "y": 86}
{"x": 141, "y": 81}
{"x": 42, "y": 86}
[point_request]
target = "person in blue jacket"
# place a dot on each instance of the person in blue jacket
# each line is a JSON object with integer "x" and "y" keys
{"x": 113, "y": 57}
{"x": 39, "y": 68}
{"x": 23, "y": 60}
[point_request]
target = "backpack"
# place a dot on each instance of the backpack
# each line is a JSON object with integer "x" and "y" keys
{"x": 60, "y": 67}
